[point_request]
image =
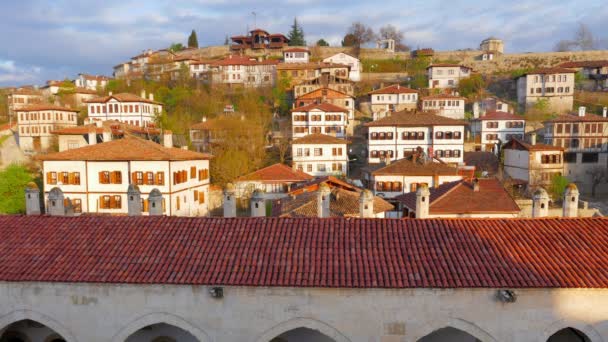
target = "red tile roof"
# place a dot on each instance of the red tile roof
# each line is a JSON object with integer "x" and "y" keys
{"x": 500, "y": 116}
{"x": 408, "y": 167}
{"x": 516, "y": 144}
{"x": 459, "y": 198}
{"x": 307, "y": 252}
{"x": 585, "y": 64}
{"x": 325, "y": 107}
{"x": 43, "y": 106}
{"x": 276, "y": 173}
{"x": 329, "y": 93}
{"x": 394, "y": 89}
{"x": 309, "y": 66}
{"x": 447, "y": 65}
{"x": 296, "y": 50}
{"x": 414, "y": 119}
{"x": 128, "y": 148}
{"x": 318, "y": 138}
{"x": 573, "y": 117}
{"x": 122, "y": 97}
{"x": 549, "y": 71}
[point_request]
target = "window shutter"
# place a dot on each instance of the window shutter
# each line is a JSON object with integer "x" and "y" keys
{"x": 201, "y": 197}
{"x": 134, "y": 177}
{"x": 71, "y": 178}
{"x": 101, "y": 180}
{"x": 112, "y": 202}
{"x": 101, "y": 203}
{"x": 48, "y": 178}
{"x": 113, "y": 177}
{"x": 174, "y": 178}
{"x": 118, "y": 177}
{"x": 118, "y": 201}
{"x": 195, "y": 195}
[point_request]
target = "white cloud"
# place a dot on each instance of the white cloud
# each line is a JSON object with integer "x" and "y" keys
{"x": 10, "y": 72}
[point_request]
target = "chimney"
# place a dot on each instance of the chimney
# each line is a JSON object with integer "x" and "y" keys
{"x": 155, "y": 203}
{"x": 167, "y": 138}
{"x": 55, "y": 206}
{"x": 423, "y": 196}
{"x": 532, "y": 138}
{"x": 540, "y": 203}
{"x": 476, "y": 110}
{"x": 143, "y": 94}
{"x": 571, "y": 201}
{"x": 107, "y": 134}
{"x": 475, "y": 185}
{"x": 323, "y": 200}
{"x": 134, "y": 200}
{"x": 110, "y": 94}
{"x": 32, "y": 199}
{"x": 366, "y": 204}
{"x": 92, "y": 135}
{"x": 204, "y": 119}
{"x": 98, "y": 123}
{"x": 258, "y": 208}
{"x": 151, "y": 97}
{"x": 582, "y": 110}
{"x": 229, "y": 201}
{"x": 605, "y": 111}
{"x": 435, "y": 180}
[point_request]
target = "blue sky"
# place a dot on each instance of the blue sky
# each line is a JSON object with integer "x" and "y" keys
{"x": 45, "y": 40}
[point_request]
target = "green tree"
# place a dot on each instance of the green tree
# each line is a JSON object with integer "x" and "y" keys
{"x": 193, "y": 40}
{"x": 296, "y": 35}
{"x": 558, "y": 186}
{"x": 349, "y": 40}
{"x": 13, "y": 181}
{"x": 469, "y": 87}
{"x": 322, "y": 42}
{"x": 175, "y": 47}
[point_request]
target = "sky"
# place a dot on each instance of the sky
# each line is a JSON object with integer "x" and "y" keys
{"x": 52, "y": 40}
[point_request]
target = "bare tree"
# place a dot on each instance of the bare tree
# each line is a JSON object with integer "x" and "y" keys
{"x": 584, "y": 38}
{"x": 391, "y": 32}
{"x": 598, "y": 175}
{"x": 563, "y": 46}
{"x": 358, "y": 34}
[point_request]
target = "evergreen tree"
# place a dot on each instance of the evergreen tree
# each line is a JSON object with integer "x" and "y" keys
{"x": 322, "y": 42}
{"x": 296, "y": 35}
{"x": 193, "y": 40}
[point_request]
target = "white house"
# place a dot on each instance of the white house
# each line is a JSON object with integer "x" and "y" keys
{"x": 450, "y": 106}
{"x": 490, "y": 104}
{"x": 36, "y": 122}
{"x": 125, "y": 107}
{"x": 496, "y": 128}
{"x": 201, "y": 70}
{"x": 96, "y": 177}
{"x": 402, "y": 133}
{"x": 243, "y": 71}
{"x": 393, "y": 98}
{"x": 554, "y": 85}
{"x": 533, "y": 164}
{"x": 320, "y": 155}
{"x": 446, "y": 75}
{"x": 346, "y": 59}
{"x": 322, "y": 118}
{"x": 274, "y": 181}
{"x": 91, "y": 82}
{"x": 296, "y": 55}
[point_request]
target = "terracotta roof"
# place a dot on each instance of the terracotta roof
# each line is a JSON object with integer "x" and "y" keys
{"x": 482, "y": 161}
{"x": 500, "y": 116}
{"x": 408, "y": 167}
{"x": 343, "y": 203}
{"x": 79, "y": 90}
{"x": 310, "y": 65}
{"x": 549, "y": 71}
{"x": 115, "y": 126}
{"x": 414, "y": 119}
{"x": 460, "y": 198}
{"x": 447, "y": 65}
{"x": 318, "y": 138}
{"x": 325, "y": 107}
{"x": 573, "y": 117}
{"x": 394, "y": 89}
{"x": 77, "y": 130}
{"x": 585, "y": 64}
{"x": 516, "y": 144}
{"x": 276, "y": 173}
{"x": 313, "y": 184}
{"x": 95, "y": 77}
{"x": 43, "y": 106}
{"x": 443, "y": 96}
{"x": 122, "y": 97}
{"x": 296, "y": 50}
{"x": 307, "y": 252}
{"x": 128, "y": 148}
{"x": 26, "y": 91}
{"x": 330, "y": 94}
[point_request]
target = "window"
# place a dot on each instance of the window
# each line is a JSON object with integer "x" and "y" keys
{"x": 160, "y": 178}
{"x": 321, "y": 167}
{"x": 149, "y": 180}
{"x": 77, "y": 205}
{"x": 457, "y": 135}
{"x": 491, "y": 136}
{"x": 195, "y": 196}
{"x": 559, "y": 128}
{"x": 177, "y": 203}
{"x": 570, "y": 158}
{"x": 336, "y": 151}
{"x": 201, "y": 197}
{"x": 203, "y": 174}
{"x": 492, "y": 124}
{"x": 298, "y": 152}
{"x": 51, "y": 177}
{"x": 590, "y": 157}
{"x": 137, "y": 178}
{"x": 318, "y": 152}
{"x": 439, "y": 135}
{"x": 104, "y": 177}
{"x": 309, "y": 168}
{"x": 192, "y": 172}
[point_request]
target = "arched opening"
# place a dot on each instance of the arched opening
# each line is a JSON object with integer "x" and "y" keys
{"x": 569, "y": 335}
{"x": 161, "y": 332}
{"x": 302, "y": 335}
{"x": 27, "y": 330}
{"x": 449, "y": 334}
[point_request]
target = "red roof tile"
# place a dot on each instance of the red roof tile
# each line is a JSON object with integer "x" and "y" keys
{"x": 500, "y": 116}
{"x": 307, "y": 252}
{"x": 585, "y": 64}
{"x": 574, "y": 117}
{"x": 318, "y": 138}
{"x": 325, "y": 107}
{"x": 516, "y": 144}
{"x": 414, "y": 119}
{"x": 42, "y": 106}
{"x": 276, "y": 173}
{"x": 394, "y": 89}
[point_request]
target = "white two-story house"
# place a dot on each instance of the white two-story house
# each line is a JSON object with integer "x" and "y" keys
{"x": 36, "y": 122}
{"x": 494, "y": 129}
{"x": 128, "y": 108}
{"x": 345, "y": 59}
{"x": 320, "y": 155}
{"x": 533, "y": 164}
{"x": 296, "y": 55}
{"x": 553, "y": 85}
{"x": 446, "y": 75}
{"x": 393, "y": 98}
{"x": 243, "y": 71}
{"x": 96, "y": 177}
{"x": 91, "y": 82}
{"x": 450, "y": 106}
{"x": 322, "y": 118}
{"x": 401, "y": 133}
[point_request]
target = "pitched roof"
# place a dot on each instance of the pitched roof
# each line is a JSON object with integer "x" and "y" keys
{"x": 309, "y": 65}
{"x": 460, "y": 198}
{"x": 516, "y": 144}
{"x": 307, "y": 252}
{"x": 443, "y": 96}
{"x": 313, "y": 185}
{"x": 342, "y": 203}
{"x": 500, "y": 116}
{"x": 414, "y": 119}
{"x": 447, "y": 65}
{"x": 574, "y": 117}
{"x": 116, "y": 127}
{"x": 44, "y": 106}
{"x": 276, "y": 173}
{"x": 325, "y": 107}
{"x": 296, "y": 50}
{"x": 408, "y": 167}
{"x": 549, "y": 71}
{"x": 318, "y": 138}
{"x": 122, "y": 97}
{"x": 128, "y": 148}
{"x": 330, "y": 94}
{"x": 394, "y": 89}
{"x": 585, "y": 64}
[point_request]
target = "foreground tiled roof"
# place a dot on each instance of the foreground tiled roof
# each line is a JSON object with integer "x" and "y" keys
{"x": 307, "y": 252}
{"x": 500, "y": 116}
{"x": 415, "y": 119}
{"x": 318, "y": 138}
{"x": 408, "y": 167}
{"x": 129, "y": 148}
{"x": 459, "y": 198}
{"x": 325, "y": 107}
{"x": 394, "y": 89}
{"x": 44, "y": 106}
{"x": 276, "y": 173}
{"x": 574, "y": 117}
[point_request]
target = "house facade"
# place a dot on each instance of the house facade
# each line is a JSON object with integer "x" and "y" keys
{"x": 553, "y": 85}
{"x": 534, "y": 164}
{"x": 450, "y": 106}
{"x": 323, "y": 118}
{"x": 91, "y": 82}
{"x": 494, "y": 129}
{"x": 313, "y": 74}
{"x": 296, "y": 55}
{"x": 446, "y": 75}
{"x": 23, "y": 97}
{"x": 35, "y": 125}
{"x": 354, "y": 63}
{"x": 402, "y": 133}
{"x": 96, "y": 178}
{"x": 128, "y": 108}
{"x": 274, "y": 181}
{"x": 393, "y": 98}
{"x": 595, "y": 73}
{"x": 320, "y": 155}
{"x": 243, "y": 71}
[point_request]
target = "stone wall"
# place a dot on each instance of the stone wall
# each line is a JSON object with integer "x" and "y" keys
{"x": 105, "y": 312}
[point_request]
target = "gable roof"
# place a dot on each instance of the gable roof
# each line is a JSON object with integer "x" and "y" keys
{"x": 306, "y": 252}
{"x": 276, "y": 173}
{"x": 406, "y": 166}
{"x": 460, "y": 198}
{"x": 121, "y": 97}
{"x": 447, "y": 65}
{"x": 414, "y": 119}
{"x": 548, "y": 71}
{"x": 330, "y": 94}
{"x": 500, "y": 116}
{"x": 443, "y": 96}
{"x": 393, "y": 89}
{"x": 126, "y": 149}
{"x": 297, "y": 50}
{"x": 45, "y": 106}
{"x": 325, "y": 107}
{"x": 585, "y": 64}
{"x": 516, "y": 144}
{"x": 318, "y": 138}
{"x": 573, "y": 117}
